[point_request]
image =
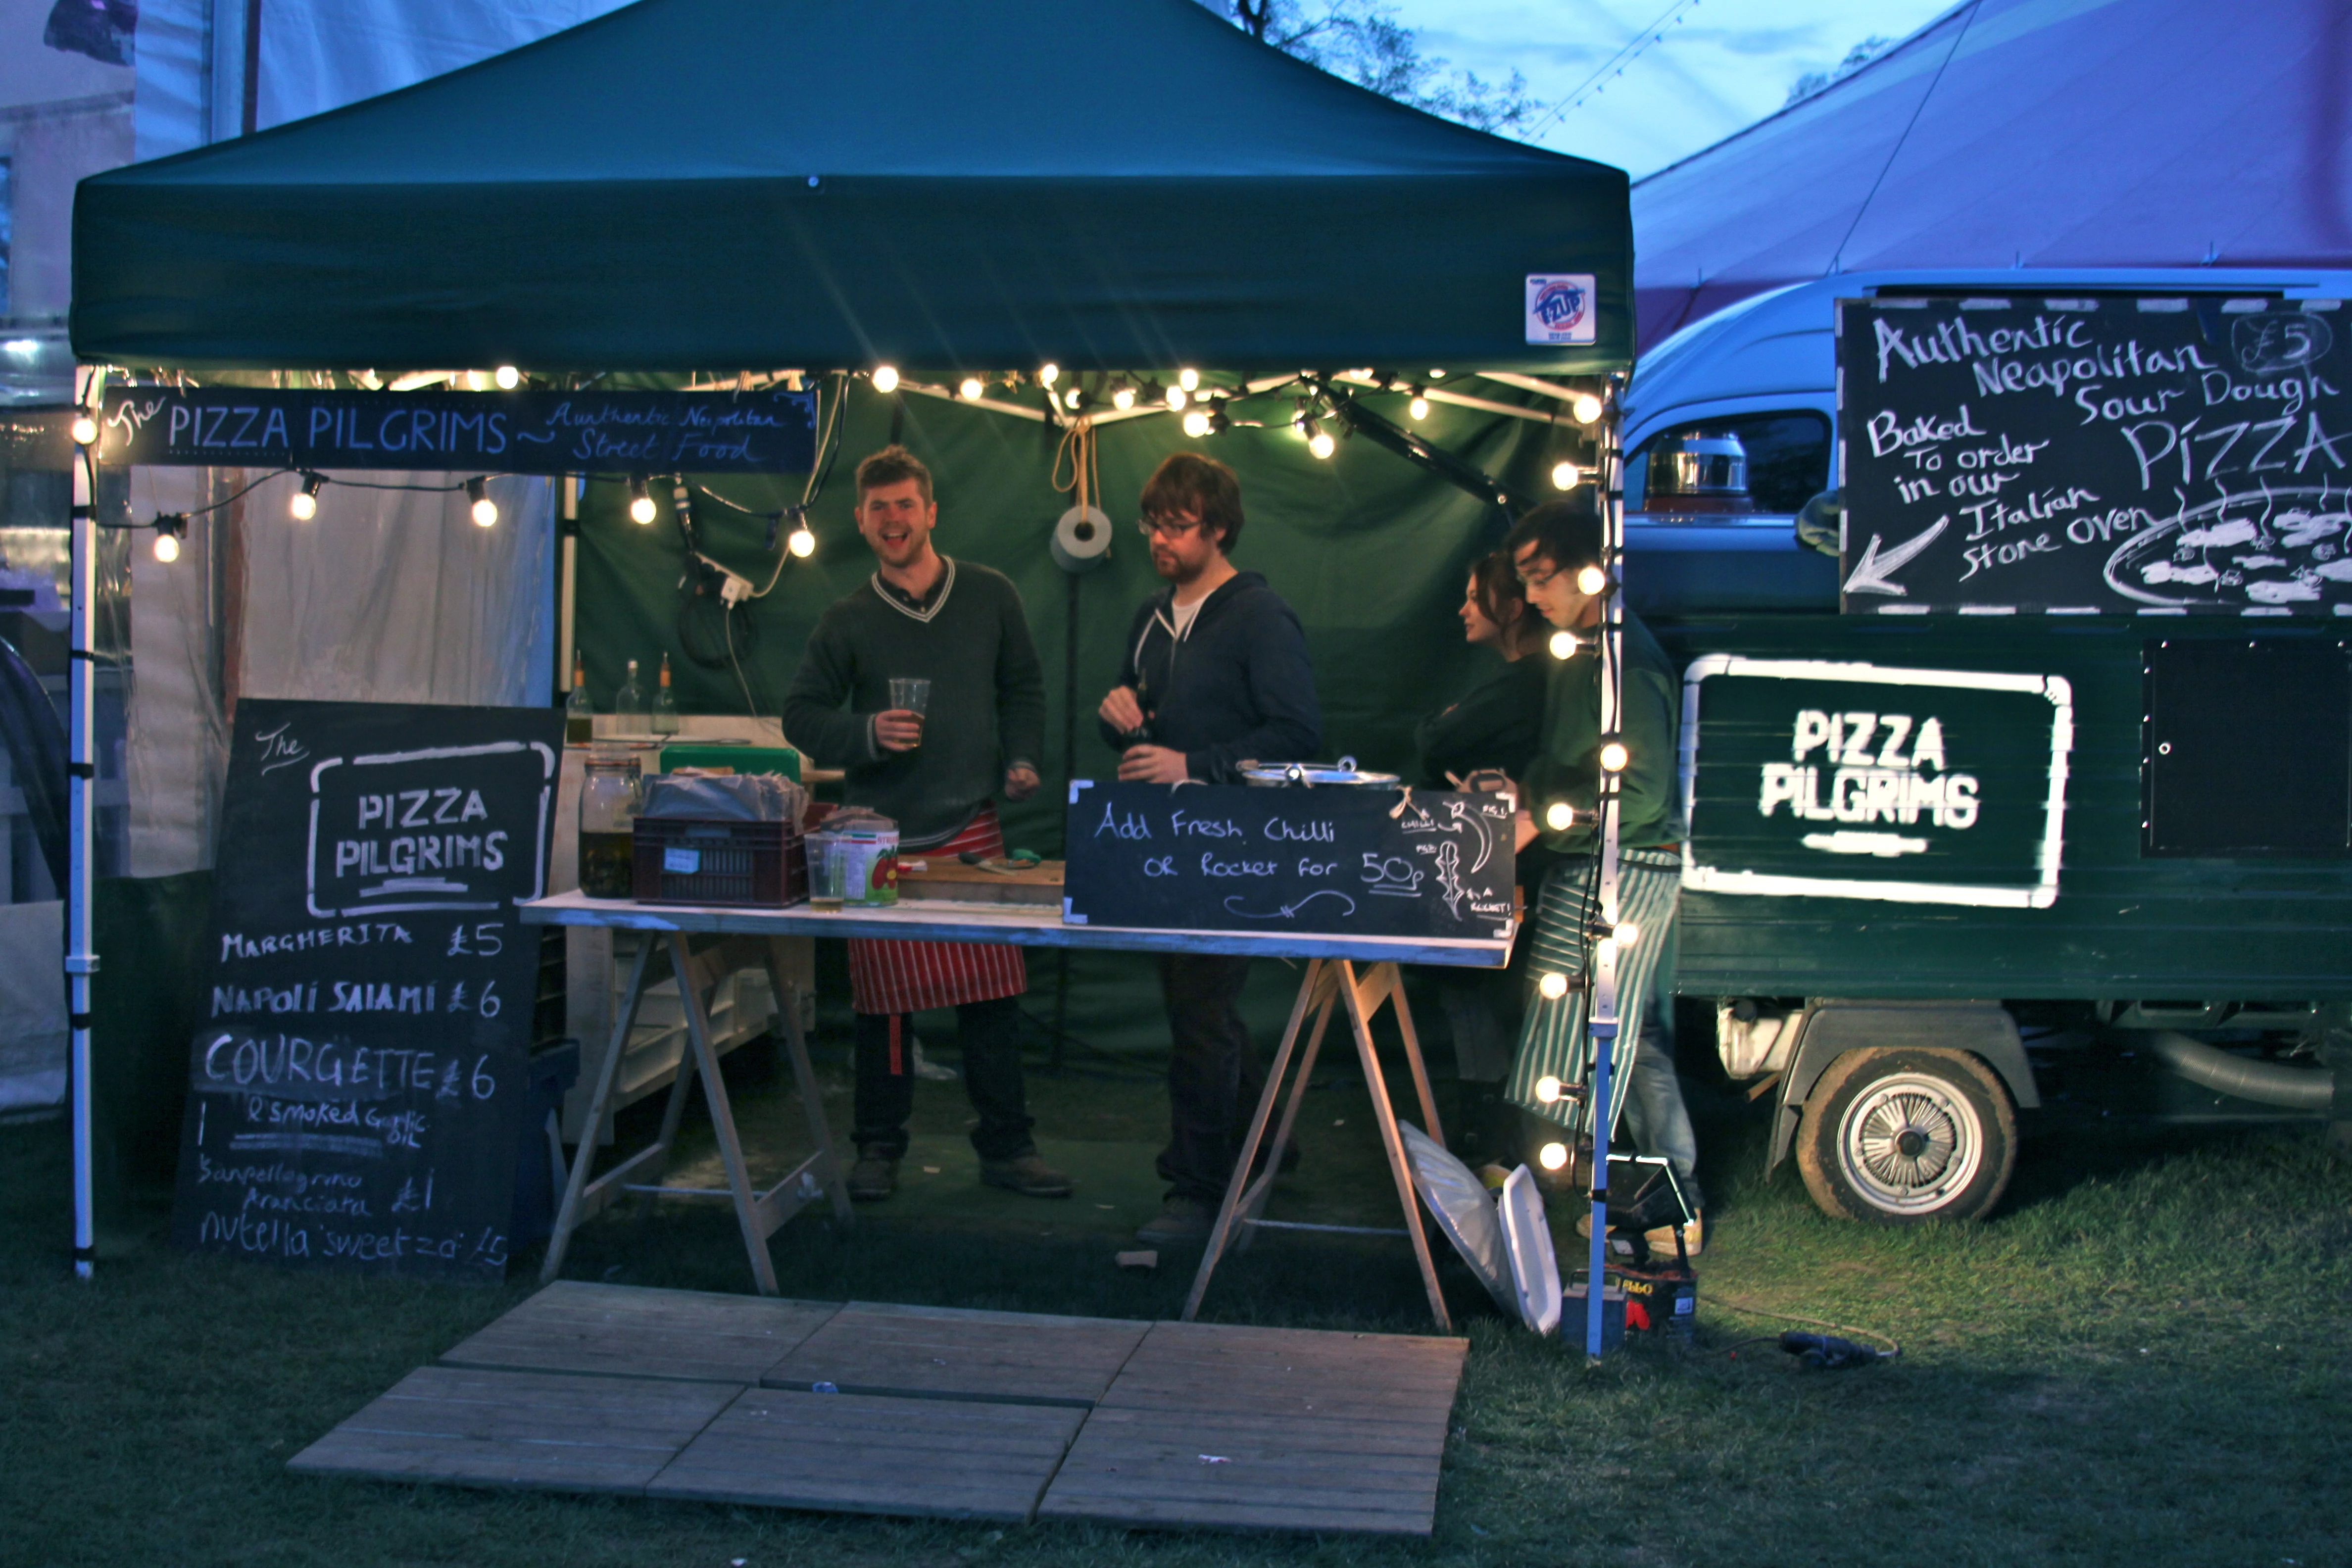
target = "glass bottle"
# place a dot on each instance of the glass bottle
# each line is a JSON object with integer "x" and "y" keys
{"x": 629, "y": 705}
{"x": 578, "y": 713}
{"x": 608, "y": 818}
{"x": 665, "y": 703}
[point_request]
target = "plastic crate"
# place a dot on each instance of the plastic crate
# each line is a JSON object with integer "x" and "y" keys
{"x": 741, "y": 865}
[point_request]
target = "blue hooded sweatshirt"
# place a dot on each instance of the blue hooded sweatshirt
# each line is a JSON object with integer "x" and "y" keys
{"x": 1237, "y": 687}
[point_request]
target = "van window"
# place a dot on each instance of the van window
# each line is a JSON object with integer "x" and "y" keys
{"x": 1787, "y": 463}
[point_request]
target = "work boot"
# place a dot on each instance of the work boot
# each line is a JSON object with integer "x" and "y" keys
{"x": 875, "y": 1176}
{"x": 1661, "y": 1241}
{"x": 1180, "y": 1219}
{"x": 1026, "y": 1174}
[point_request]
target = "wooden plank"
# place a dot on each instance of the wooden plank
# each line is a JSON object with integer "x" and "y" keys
{"x": 938, "y": 1352}
{"x": 858, "y": 1454}
{"x": 622, "y": 1330}
{"x": 518, "y": 1429}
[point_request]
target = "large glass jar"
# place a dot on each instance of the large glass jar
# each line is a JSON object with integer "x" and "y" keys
{"x": 610, "y": 797}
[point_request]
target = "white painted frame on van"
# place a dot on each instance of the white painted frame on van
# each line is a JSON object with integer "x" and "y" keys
{"x": 1715, "y": 879}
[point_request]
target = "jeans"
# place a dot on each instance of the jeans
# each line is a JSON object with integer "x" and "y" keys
{"x": 1214, "y": 1076}
{"x": 1654, "y": 1116}
{"x": 989, "y": 1034}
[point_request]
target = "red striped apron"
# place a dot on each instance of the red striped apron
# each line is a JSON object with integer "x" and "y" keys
{"x": 909, "y": 976}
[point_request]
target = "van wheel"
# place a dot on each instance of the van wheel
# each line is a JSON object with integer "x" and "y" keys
{"x": 1905, "y": 1135}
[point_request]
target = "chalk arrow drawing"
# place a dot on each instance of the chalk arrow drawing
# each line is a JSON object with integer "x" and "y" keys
{"x": 1873, "y": 572}
{"x": 1233, "y": 906}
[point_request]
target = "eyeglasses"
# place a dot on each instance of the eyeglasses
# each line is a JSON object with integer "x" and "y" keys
{"x": 1166, "y": 527}
{"x": 1537, "y": 573}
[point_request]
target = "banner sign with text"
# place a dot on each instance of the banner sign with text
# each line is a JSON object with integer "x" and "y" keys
{"x": 1855, "y": 781}
{"x": 1364, "y": 862}
{"x": 2108, "y": 455}
{"x": 524, "y": 432}
{"x": 356, "y": 1092}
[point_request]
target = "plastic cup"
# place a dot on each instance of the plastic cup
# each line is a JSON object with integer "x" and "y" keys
{"x": 912, "y": 693}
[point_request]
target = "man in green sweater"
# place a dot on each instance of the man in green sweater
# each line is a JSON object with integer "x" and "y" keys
{"x": 1552, "y": 548}
{"x": 960, "y": 627}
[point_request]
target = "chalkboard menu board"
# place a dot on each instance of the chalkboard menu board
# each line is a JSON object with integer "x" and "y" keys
{"x": 2134, "y": 456}
{"x": 356, "y": 1095}
{"x": 1325, "y": 861}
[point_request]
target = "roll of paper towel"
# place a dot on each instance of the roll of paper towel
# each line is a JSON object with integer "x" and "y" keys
{"x": 1082, "y": 539}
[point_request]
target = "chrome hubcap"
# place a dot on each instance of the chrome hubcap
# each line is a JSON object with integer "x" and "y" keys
{"x": 1910, "y": 1143}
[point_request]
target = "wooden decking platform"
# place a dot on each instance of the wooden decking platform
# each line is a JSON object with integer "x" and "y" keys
{"x": 927, "y": 1411}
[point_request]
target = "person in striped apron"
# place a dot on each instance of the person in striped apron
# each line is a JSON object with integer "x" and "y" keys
{"x": 961, "y": 627}
{"x": 1548, "y": 548}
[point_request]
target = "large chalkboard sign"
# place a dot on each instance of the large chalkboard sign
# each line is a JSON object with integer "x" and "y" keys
{"x": 1327, "y": 861}
{"x": 2105, "y": 456}
{"x": 356, "y": 1095}
{"x": 773, "y": 431}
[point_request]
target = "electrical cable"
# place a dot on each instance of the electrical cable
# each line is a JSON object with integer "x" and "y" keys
{"x": 1893, "y": 1349}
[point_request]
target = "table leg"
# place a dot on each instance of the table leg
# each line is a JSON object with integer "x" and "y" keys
{"x": 1413, "y": 1054}
{"x": 1317, "y": 975}
{"x": 722, "y": 1118}
{"x": 788, "y": 1008}
{"x": 599, "y": 1106}
{"x": 1358, "y": 1019}
{"x": 1254, "y": 1199}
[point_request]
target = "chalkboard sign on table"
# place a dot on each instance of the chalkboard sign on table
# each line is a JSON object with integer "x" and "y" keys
{"x": 355, "y": 1096}
{"x": 2133, "y": 456}
{"x": 1340, "y": 861}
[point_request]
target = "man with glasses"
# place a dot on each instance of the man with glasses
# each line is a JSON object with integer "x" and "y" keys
{"x": 1552, "y": 549}
{"x": 1216, "y": 674}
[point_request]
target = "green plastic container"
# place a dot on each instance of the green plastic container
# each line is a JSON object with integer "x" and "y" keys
{"x": 781, "y": 760}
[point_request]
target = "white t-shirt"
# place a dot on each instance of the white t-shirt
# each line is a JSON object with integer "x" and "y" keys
{"x": 1183, "y": 615}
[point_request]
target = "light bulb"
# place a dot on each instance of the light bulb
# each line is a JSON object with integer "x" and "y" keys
{"x": 509, "y": 378}
{"x": 1565, "y": 476}
{"x": 1553, "y": 1156}
{"x": 886, "y": 378}
{"x": 84, "y": 430}
{"x": 1418, "y": 408}
{"x": 1552, "y": 987}
{"x": 1178, "y": 398}
{"x": 304, "y": 503}
{"x": 1547, "y": 1090}
{"x": 1048, "y": 373}
{"x": 1438, "y": 375}
{"x": 167, "y": 547}
{"x": 1628, "y": 934}
{"x": 1565, "y": 644}
{"x": 1070, "y": 399}
{"x": 641, "y": 505}
{"x": 1587, "y": 408}
{"x": 1590, "y": 581}
{"x": 486, "y": 510}
{"x": 1614, "y": 756}
{"x": 801, "y": 542}
{"x": 971, "y": 388}
{"x": 1189, "y": 379}
{"x": 1123, "y": 399}
{"x": 1559, "y": 817}
{"x": 1196, "y": 424}
{"x": 1321, "y": 444}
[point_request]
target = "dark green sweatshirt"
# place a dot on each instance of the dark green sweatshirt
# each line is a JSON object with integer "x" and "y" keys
{"x": 1568, "y": 766}
{"x": 1498, "y": 723}
{"x": 987, "y": 711}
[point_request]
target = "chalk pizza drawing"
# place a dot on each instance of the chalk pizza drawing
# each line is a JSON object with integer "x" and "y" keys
{"x": 2259, "y": 550}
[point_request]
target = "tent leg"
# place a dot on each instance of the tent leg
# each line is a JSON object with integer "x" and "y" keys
{"x": 80, "y": 962}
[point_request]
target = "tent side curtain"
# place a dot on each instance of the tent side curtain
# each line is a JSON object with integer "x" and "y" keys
{"x": 1107, "y": 183}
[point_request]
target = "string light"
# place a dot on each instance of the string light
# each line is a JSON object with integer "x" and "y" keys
{"x": 1419, "y": 406}
{"x": 1319, "y": 441}
{"x": 1566, "y": 476}
{"x": 1614, "y": 756}
{"x": 1123, "y": 399}
{"x": 971, "y": 388}
{"x": 641, "y": 505}
{"x": 304, "y": 504}
{"x": 1592, "y": 581}
{"x": 886, "y": 378}
{"x": 509, "y": 378}
{"x": 486, "y": 510}
{"x": 1552, "y": 987}
{"x": 1438, "y": 375}
{"x": 168, "y": 528}
{"x": 1196, "y": 424}
{"x": 1048, "y": 373}
{"x": 801, "y": 542}
{"x": 1587, "y": 408}
{"x": 1553, "y": 1156}
{"x": 1547, "y": 1090}
{"x": 1559, "y": 817}
{"x": 84, "y": 430}
{"x": 1627, "y": 933}
{"x": 1189, "y": 379}
{"x": 1565, "y": 644}
{"x": 1178, "y": 398}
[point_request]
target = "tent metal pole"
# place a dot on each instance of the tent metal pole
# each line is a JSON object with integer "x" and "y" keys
{"x": 1605, "y": 1010}
{"x": 80, "y": 962}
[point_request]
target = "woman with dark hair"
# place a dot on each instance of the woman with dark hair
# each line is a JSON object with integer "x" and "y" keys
{"x": 1497, "y": 722}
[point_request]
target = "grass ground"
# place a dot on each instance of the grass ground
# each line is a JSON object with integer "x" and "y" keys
{"x": 2142, "y": 1360}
